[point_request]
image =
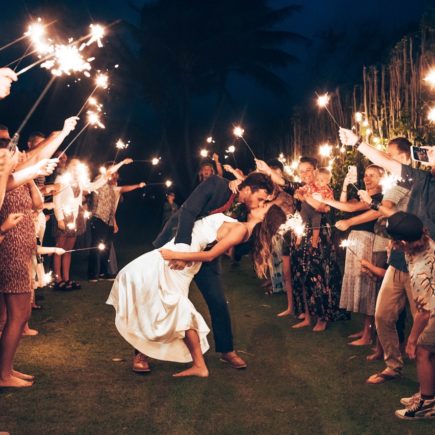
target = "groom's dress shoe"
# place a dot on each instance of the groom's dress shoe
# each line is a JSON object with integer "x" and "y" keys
{"x": 234, "y": 360}
{"x": 140, "y": 364}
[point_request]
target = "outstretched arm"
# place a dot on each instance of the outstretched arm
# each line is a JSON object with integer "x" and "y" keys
{"x": 131, "y": 187}
{"x": 348, "y": 137}
{"x": 233, "y": 238}
{"x": 347, "y": 206}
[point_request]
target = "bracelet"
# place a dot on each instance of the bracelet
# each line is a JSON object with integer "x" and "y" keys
{"x": 359, "y": 141}
{"x": 374, "y": 205}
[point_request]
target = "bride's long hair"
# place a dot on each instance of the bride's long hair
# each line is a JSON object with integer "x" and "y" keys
{"x": 263, "y": 240}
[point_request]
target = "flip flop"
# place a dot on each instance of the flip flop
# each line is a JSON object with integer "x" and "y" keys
{"x": 385, "y": 377}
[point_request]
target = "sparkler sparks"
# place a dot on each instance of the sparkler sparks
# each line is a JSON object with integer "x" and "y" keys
{"x": 67, "y": 59}
{"x": 388, "y": 181}
{"x": 325, "y": 150}
{"x": 430, "y": 78}
{"x": 358, "y": 117}
{"x": 231, "y": 149}
{"x": 102, "y": 81}
{"x": 47, "y": 278}
{"x": 322, "y": 102}
{"x": 97, "y": 33}
{"x": 238, "y": 131}
{"x": 155, "y": 161}
{"x": 431, "y": 115}
{"x": 203, "y": 153}
{"x": 348, "y": 245}
{"x": 93, "y": 118}
{"x": 294, "y": 223}
{"x": 121, "y": 145}
{"x": 210, "y": 140}
{"x": 168, "y": 183}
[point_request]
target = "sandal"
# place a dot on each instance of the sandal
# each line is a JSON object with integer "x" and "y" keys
{"x": 382, "y": 377}
{"x": 59, "y": 285}
{"x": 75, "y": 285}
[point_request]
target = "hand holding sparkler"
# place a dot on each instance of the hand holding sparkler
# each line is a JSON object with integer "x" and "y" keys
{"x": 342, "y": 225}
{"x": 364, "y": 196}
{"x": 45, "y": 167}
{"x": 69, "y": 125}
{"x": 234, "y": 186}
{"x": 263, "y": 167}
{"x": 348, "y": 137}
{"x": 7, "y": 76}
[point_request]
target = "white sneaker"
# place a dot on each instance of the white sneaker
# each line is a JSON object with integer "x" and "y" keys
{"x": 408, "y": 401}
{"x": 421, "y": 410}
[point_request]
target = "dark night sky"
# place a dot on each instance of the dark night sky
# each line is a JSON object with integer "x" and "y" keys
{"x": 382, "y": 23}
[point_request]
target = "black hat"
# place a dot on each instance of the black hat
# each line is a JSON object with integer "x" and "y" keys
{"x": 404, "y": 226}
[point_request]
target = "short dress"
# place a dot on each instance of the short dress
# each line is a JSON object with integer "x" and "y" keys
{"x": 19, "y": 243}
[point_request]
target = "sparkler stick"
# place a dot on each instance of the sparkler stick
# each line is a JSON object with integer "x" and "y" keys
{"x": 26, "y": 35}
{"x": 238, "y": 132}
{"x": 100, "y": 247}
{"x": 74, "y": 139}
{"x": 35, "y": 105}
{"x": 101, "y": 81}
{"x": 155, "y": 161}
{"x": 322, "y": 102}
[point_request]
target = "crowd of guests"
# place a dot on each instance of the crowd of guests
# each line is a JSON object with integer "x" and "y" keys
{"x": 39, "y": 186}
{"x": 390, "y": 257}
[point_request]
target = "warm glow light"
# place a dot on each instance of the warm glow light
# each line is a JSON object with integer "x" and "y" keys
{"x": 121, "y": 145}
{"x": 168, "y": 183}
{"x": 388, "y": 181}
{"x": 238, "y": 131}
{"x": 431, "y": 115}
{"x": 101, "y": 246}
{"x": 209, "y": 140}
{"x": 203, "y": 153}
{"x": 325, "y": 150}
{"x": 358, "y": 117}
{"x": 94, "y": 119}
{"x": 323, "y": 100}
{"x": 67, "y": 60}
{"x": 155, "y": 161}
{"x": 430, "y": 77}
{"x": 87, "y": 214}
{"x": 102, "y": 81}
{"x": 231, "y": 149}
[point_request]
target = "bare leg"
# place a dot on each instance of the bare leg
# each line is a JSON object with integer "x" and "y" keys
{"x": 306, "y": 319}
{"x": 66, "y": 258}
{"x": 286, "y": 271}
{"x": 366, "y": 338}
{"x": 426, "y": 375}
{"x": 18, "y": 312}
{"x": 199, "y": 368}
{"x": 378, "y": 352}
{"x": 57, "y": 261}
{"x": 321, "y": 325}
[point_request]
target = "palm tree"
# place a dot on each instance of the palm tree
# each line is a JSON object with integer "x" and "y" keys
{"x": 191, "y": 48}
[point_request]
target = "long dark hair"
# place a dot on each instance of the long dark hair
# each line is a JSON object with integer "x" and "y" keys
{"x": 263, "y": 236}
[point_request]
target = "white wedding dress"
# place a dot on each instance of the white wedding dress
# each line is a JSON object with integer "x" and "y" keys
{"x": 151, "y": 300}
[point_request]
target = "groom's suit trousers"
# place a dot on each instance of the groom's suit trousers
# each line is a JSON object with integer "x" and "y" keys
{"x": 209, "y": 282}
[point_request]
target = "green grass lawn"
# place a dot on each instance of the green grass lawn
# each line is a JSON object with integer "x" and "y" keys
{"x": 297, "y": 381}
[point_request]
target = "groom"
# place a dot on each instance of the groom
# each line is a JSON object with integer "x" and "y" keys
{"x": 214, "y": 196}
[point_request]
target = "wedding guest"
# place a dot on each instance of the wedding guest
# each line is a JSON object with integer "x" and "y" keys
{"x": 421, "y": 181}
{"x": 206, "y": 170}
{"x": 407, "y": 231}
{"x": 15, "y": 274}
{"x": 103, "y": 224}
{"x": 315, "y": 272}
{"x": 396, "y": 287}
{"x": 169, "y": 207}
{"x": 358, "y": 291}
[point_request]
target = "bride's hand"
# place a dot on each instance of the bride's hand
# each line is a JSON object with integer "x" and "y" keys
{"x": 167, "y": 254}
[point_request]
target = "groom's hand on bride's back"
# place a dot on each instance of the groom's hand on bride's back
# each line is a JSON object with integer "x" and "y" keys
{"x": 178, "y": 264}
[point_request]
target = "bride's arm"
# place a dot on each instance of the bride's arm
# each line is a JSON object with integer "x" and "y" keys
{"x": 234, "y": 237}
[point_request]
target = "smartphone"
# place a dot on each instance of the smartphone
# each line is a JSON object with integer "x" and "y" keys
{"x": 419, "y": 154}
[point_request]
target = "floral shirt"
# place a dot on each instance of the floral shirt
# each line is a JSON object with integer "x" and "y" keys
{"x": 422, "y": 273}
{"x": 311, "y": 188}
{"x": 104, "y": 204}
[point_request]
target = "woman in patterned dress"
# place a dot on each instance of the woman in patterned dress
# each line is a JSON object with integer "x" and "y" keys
{"x": 359, "y": 290}
{"x": 16, "y": 250}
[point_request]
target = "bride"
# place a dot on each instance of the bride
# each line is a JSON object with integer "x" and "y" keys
{"x": 153, "y": 312}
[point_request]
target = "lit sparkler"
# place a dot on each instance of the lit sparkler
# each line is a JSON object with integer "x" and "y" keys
{"x": 168, "y": 183}
{"x": 358, "y": 117}
{"x": 231, "y": 149}
{"x": 203, "y": 153}
{"x": 348, "y": 245}
{"x": 210, "y": 140}
{"x": 322, "y": 102}
{"x": 238, "y": 132}
{"x": 293, "y": 223}
{"x": 388, "y": 181}
{"x": 100, "y": 247}
{"x": 47, "y": 278}
{"x": 94, "y": 119}
{"x": 430, "y": 78}
{"x": 431, "y": 115}
{"x": 155, "y": 161}
{"x": 325, "y": 150}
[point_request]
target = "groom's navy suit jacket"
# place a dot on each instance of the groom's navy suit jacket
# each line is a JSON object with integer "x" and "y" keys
{"x": 209, "y": 196}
